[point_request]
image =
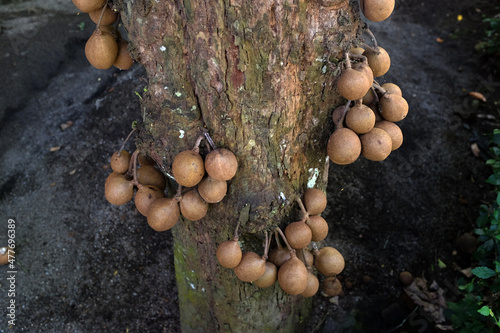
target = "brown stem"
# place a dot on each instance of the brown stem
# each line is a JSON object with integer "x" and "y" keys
{"x": 358, "y": 56}
{"x": 305, "y": 214}
{"x": 178, "y": 195}
{"x": 236, "y": 237}
{"x": 125, "y": 141}
{"x": 100, "y": 18}
{"x": 347, "y": 60}
{"x": 278, "y": 243}
{"x": 131, "y": 164}
{"x": 378, "y": 87}
{"x": 285, "y": 240}
{"x": 196, "y": 147}
{"x": 209, "y": 139}
{"x": 339, "y": 123}
{"x": 371, "y": 49}
{"x": 372, "y": 36}
{"x": 266, "y": 247}
{"x": 304, "y": 260}
{"x": 134, "y": 169}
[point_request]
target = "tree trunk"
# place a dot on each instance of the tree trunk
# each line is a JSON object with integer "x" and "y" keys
{"x": 260, "y": 76}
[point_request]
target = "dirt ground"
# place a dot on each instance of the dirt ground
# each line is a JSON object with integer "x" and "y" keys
{"x": 83, "y": 265}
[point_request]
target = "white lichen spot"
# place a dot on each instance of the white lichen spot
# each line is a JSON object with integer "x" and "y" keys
{"x": 165, "y": 88}
{"x": 178, "y": 94}
{"x": 281, "y": 63}
{"x": 313, "y": 177}
{"x": 192, "y": 286}
{"x": 323, "y": 69}
{"x": 203, "y": 289}
{"x": 193, "y": 107}
{"x": 251, "y": 143}
{"x": 182, "y": 134}
{"x": 163, "y": 48}
{"x": 282, "y": 196}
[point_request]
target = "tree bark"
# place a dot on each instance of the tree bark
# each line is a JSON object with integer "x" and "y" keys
{"x": 260, "y": 76}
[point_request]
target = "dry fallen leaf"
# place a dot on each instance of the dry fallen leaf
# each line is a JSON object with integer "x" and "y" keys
{"x": 430, "y": 298}
{"x": 477, "y": 95}
{"x": 467, "y": 272}
{"x": 475, "y": 149}
{"x": 66, "y": 125}
{"x": 52, "y": 149}
{"x": 439, "y": 40}
{"x": 72, "y": 172}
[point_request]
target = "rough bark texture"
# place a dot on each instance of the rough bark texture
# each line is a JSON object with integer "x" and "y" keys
{"x": 260, "y": 76}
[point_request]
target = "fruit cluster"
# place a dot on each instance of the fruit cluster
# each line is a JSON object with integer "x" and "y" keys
{"x": 188, "y": 169}
{"x": 290, "y": 266}
{"x": 366, "y": 124}
{"x": 106, "y": 47}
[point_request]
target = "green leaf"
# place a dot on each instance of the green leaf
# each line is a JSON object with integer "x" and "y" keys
{"x": 485, "y": 311}
{"x": 483, "y": 272}
{"x": 441, "y": 264}
{"x": 498, "y": 200}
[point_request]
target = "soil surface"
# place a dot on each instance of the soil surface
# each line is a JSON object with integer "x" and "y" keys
{"x": 83, "y": 265}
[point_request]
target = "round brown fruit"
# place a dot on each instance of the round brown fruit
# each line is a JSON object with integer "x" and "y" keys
{"x": 251, "y": 267}
{"x": 406, "y": 278}
{"x": 188, "y": 168}
{"x": 193, "y": 207}
{"x": 292, "y": 276}
{"x": 329, "y": 261}
{"x": 298, "y": 234}
{"x": 4, "y": 255}
{"x": 145, "y": 196}
{"x": 353, "y": 84}
{"x": 379, "y": 62}
{"x": 119, "y": 163}
{"x": 357, "y": 50}
{"x": 212, "y": 190}
{"x": 393, "y": 89}
{"x": 314, "y": 201}
{"x": 312, "y": 286}
{"x": 332, "y": 286}
{"x": 360, "y": 119}
{"x": 149, "y": 175}
{"x": 229, "y": 253}
{"x": 306, "y": 257}
{"x": 279, "y": 256}
{"x": 101, "y": 49}
{"x": 88, "y": 6}
{"x": 377, "y": 10}
{"x": 318, "y": 226}
{"x": 393, "y": 107}
{"x": 221, "y": 164}
{"x": 338, "y": 114}
{"x": 118, "y": 190}
{"x": 123, "y": 60}
{"x": 364, "y": 68}
{"x": 394, "y": 132}
{"x": 376, "y": 145}
{"x": 108, "y": 18}
{"x": 111, "y": 30}
{"x": 369, "y": 98}
{"x": 344, "y": 146}
{"x": 145, "y": 160}
{"x": 269, "y": 278}
{"x": 163, "y": 214}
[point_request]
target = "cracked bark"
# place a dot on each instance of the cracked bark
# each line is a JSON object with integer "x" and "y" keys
{"x": 260, "y": 76}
